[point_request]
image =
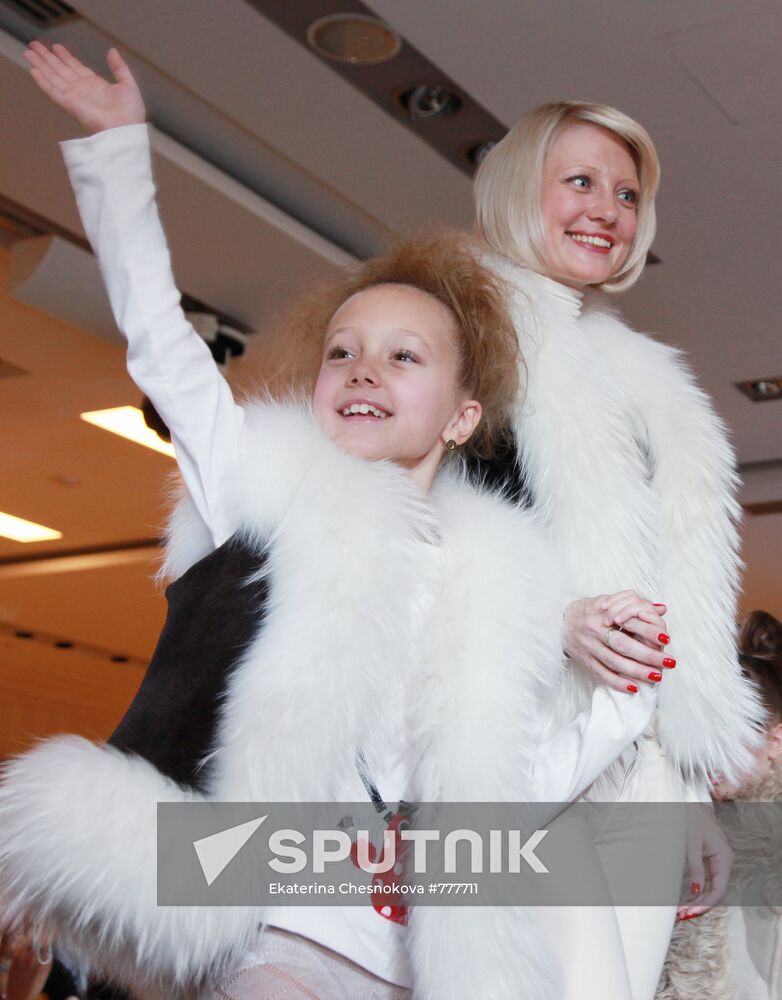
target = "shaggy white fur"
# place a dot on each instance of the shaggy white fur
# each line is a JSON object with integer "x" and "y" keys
{"x": 632, "y": 471}
{"x": 78, "y": 857}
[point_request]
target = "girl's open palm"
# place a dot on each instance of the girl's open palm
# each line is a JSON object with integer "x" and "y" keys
{"x": 95, "y": 103}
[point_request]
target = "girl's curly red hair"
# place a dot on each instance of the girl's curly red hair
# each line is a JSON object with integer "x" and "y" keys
{"x": 449, "y": 267}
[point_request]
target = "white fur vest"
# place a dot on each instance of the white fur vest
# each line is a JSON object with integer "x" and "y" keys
{"x": 347, "y": 543}
{"x": 630, "y": 468}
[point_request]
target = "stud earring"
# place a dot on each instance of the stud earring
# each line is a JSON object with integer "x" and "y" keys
{"x": 450, "y": 444}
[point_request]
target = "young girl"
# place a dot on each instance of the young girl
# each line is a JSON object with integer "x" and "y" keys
{"x": 391, "y": 609}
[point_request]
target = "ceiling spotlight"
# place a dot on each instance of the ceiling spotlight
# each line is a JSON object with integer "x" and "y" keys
{"x": 477, "y": 152}
{"x": 353, "y": 38}
{"x": 429, "y": 100}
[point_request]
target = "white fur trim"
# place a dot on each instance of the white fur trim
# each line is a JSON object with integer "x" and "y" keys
{"x": 337, "y": 630}
{"x": 78, "y": 857}
{"x": 632, "y": 472}
{"x": 279, "y": 443}
{"x": 706, "y": 704}
{"x": 496, "y": 650}
{"x": 187, "y": 538}
{"x": 349, "y": 544}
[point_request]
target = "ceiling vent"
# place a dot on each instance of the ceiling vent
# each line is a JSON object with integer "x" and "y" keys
{"x": 41, "y": 13}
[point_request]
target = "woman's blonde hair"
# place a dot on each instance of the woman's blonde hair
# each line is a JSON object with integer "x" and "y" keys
{"x": 448, "y": 267}
{"x": 508, "y": 185}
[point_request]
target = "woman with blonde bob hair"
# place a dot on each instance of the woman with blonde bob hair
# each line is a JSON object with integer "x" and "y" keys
{"x": 507, "y": 188}
{"x": 623, "y": 457}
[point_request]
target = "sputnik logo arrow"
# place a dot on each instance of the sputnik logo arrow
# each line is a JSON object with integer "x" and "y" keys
{"x": 217, "y": 851}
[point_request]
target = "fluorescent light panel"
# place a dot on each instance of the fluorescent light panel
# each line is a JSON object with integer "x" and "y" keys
{"x": 128, "y": 422}
{"x": 19, "y": 530}
{"x": 27, "y": 568}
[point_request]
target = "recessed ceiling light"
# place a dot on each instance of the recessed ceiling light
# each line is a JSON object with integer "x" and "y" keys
{"x": 353, "y": 38}
{"x": 761, "y": 390}
{"x": 477, "y": 152}
{"x": 429, "y": 100}
{"x": 128, "y": 422}
{"x": 19, "y": 530}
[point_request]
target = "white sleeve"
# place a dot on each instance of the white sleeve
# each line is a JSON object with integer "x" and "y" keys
{"x": 111, "y": 174}
{"x": 573, "y": 756}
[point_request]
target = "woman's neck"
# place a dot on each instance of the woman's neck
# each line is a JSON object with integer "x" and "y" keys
{"x": 570, "y": 299}
{"x": 573, "y": 298}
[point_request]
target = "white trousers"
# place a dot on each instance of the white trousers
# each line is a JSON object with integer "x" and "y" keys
{"x": 617, "y": 952}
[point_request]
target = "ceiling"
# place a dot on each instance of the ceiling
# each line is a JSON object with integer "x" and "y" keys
{"x": 273, "y": 171}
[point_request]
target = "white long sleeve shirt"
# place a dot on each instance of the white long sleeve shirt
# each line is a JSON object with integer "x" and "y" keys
{"x": 112, "y": 178}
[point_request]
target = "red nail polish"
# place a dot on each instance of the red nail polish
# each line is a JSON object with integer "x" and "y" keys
{"x": 663, "y": 638}
{"x": 669, "y": 662}
{"x": 632, "y": 689}
{"x": 654, "y": 676}
{"x": 690, "y": 916}
{"x": 695, "y": 888}
{"x": 658, "y": 605}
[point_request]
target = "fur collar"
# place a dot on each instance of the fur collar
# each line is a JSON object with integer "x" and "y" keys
{"x": 632, "y": 471}
{"x": 353, "y": 547}
{"x": 401, "y": 605}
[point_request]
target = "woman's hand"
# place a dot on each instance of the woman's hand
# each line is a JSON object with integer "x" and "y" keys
{"x": 709, "y": 861}
{"x": 95, "y": 103}
{"x": 620, "y": 638}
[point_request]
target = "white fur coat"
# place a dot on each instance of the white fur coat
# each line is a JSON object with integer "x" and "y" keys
{"x": 631, "y": 469}
{"x": 348, "y": 543}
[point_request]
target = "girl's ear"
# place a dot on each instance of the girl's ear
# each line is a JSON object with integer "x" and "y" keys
{"x": 463, "y": 425}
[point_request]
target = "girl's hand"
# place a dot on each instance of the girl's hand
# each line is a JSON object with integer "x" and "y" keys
{"x": 24, "y": 968}
{"x": 620, "y": 659}
{"x": 95, "y": 103}
{"x": 709, "y": 861}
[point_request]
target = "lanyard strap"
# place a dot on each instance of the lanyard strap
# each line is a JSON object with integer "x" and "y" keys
{"x": 372, "y": 790}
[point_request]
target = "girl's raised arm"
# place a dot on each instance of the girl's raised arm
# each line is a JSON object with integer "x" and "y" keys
{"x": 111, "y": 174}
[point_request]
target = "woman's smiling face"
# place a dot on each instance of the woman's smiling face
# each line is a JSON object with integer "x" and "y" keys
{"x": 589, "y": 205}
{"x": 388, "y": 386}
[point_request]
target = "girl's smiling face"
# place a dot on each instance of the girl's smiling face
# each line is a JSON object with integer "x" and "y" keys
{"x": 589, "y": 205}
{"x": 388, "y": 386}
